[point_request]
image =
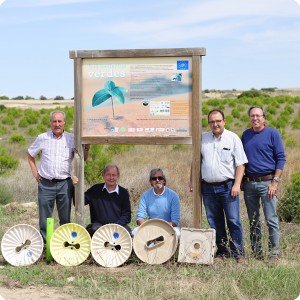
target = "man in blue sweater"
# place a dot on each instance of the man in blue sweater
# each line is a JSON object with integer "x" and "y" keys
{"x": 159, "y": 202}
{"x": 266, "y": 160}
{"x": 108, "y": 201}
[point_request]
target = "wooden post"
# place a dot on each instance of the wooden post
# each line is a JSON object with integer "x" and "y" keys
{"x": 79, "y": 156}
{"x": 196, "y": 141}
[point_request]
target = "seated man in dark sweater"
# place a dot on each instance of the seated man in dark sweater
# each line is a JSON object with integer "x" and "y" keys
{"x": 108, "y": 201}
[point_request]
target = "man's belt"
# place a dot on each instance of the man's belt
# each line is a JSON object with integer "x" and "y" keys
{"x": 220, "y": 182}
{"x": 55, "y": 180}
{"x": 258, "y": 179}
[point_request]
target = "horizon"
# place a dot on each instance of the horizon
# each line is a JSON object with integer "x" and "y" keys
{"x": 249, "y": 45}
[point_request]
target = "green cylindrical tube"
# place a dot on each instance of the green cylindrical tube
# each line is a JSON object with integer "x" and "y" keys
{"x": 49, "y": 232}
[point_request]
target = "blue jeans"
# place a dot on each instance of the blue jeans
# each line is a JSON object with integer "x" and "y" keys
{"x": 49, "y": 193}
{"x": 253, "y": 193}
{"x": 219, "y": 204}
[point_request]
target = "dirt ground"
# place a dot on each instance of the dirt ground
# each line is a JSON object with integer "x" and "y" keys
{"x": 16, "y": 292}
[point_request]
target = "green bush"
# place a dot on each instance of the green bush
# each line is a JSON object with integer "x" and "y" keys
{"x": 18, "y": 98}
{"x": 8, "y": 120}
{"x": 289, "y": 204}
{"x": 3, "y": 130}
{"x": 93, "y": 168}
{"x": 33, "y": 131}
{"x": 6, "y": 195}
{"x": 235, "y": 113}
{"x": 204, "y": 123}
{"x": 214, "y": 102}
{"x": 205, "y": 109}
{"x": 291, "y": 143}
{"x": 7, "y": 162}
{"x": 17, "y": 139}
{"x": 59, "y": 98}
{"x": 252, "y": 94}
{"x": 23, "y": 123}
{"x": 29, "y": 98}
{"x": 43, "y": 97}
{"x": 4, "y": 98}
{"x": 15, "y": 112}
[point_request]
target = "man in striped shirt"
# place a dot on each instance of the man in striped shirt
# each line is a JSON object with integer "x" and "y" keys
{"x": 54, "y": 172}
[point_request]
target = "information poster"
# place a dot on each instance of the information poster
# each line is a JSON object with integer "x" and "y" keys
{"x": 136, "y": 96}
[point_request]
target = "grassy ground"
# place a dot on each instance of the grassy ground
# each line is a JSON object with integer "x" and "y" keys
{"x": 135, "y": 279}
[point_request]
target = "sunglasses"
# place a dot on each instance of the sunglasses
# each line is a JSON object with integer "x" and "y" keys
{"x": 154, "y": 178}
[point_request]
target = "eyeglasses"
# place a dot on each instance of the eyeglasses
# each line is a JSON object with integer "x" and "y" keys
{"x": 154, "y": 178}
{"x": 255, "y": 116}
{"x": 216, "y": 121}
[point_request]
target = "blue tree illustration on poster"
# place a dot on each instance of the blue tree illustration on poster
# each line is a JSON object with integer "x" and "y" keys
{"x": 110, "y": 91}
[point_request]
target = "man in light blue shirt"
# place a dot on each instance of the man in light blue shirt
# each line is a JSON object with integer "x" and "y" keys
{"x": 159, "y": 202}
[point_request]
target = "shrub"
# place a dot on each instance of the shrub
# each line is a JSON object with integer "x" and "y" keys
{"x": 4, "y": 98}
{"x": 244, "y": 117}
{"x": 98, "y": 158}
{"x": 214, "y": 102}
{"x": 3, "y": 130}
{"x": 6, "y": 195}
{"x": 31, "y": 116}
{"x": 204, "y": 122}
{"x": 18, "y": 98}
{"x": 252, "y": 94}
{"x": 59, "y": 98}
{"x": 43, "y": 97}
{"x": 235, "y": 113}
{"x": 289, "y": 204}
{"x": 15, "y": 112}
{"x": 17, "y": 139}
{"x": 291, "y": 143}
{"x": 179, "y": 147}
{"x": 29, "y": 98}
{"x": 2, "y": 107}
{"x": 33, "y": 131}
{"x": 8, "y": 120}
{"x": 7, "y": 162}
{"x": 205, "y": 109}
{"x": 23, "y": 123}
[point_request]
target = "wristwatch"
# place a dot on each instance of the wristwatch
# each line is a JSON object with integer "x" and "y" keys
{"x": 277, "y": 179}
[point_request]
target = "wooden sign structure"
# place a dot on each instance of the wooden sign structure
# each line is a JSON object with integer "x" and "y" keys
{"x": 140, "y": 96}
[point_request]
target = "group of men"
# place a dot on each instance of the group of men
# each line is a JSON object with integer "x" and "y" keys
{"x": 254, "y": 162}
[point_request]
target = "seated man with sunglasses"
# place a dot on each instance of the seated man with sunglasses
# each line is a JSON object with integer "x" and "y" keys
{"x": 159, "y": 202}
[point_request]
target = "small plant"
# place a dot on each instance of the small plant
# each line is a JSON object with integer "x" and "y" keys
{"x": 291, "y": 143}
{"x": 7, "y": 162}
{"x": 289, "y": 204}
{"x": 6, "y": 195}
{"x": 110, "y": 91}
{"x": 17, "y": 139}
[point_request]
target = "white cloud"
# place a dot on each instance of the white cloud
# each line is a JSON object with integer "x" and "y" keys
{"x": 1, "y": 1}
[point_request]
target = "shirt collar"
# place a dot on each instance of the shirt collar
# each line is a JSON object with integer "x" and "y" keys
{"x": 116, "y": 190}
{"x": 159, "y": 194}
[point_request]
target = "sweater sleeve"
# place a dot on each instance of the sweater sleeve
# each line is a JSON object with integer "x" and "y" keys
{"x": 142, "y": 209}
{"x": 175, "y": 209}
{"x": 279, "y": 154}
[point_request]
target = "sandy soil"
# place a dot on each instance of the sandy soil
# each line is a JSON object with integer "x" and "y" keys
{"x": 16, "y": 292}
{"x": 36, "y": 104}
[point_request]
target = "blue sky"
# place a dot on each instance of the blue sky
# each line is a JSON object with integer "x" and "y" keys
{"x": 249, "y": 44}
